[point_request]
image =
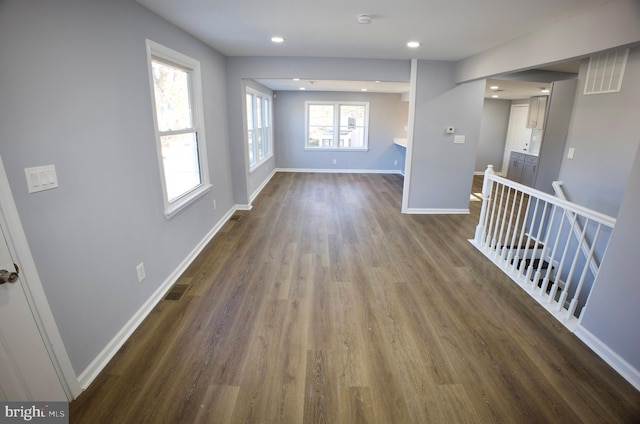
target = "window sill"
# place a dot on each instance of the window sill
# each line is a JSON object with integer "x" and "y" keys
{"x": 337, "y": 149}
{"x": 186, "y": 200}
{"x": 257, "y": 165}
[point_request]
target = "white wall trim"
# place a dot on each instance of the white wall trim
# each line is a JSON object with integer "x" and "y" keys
{"x": 33, "y": 290}
{"x": 261, "y": 186}
{"x": 625, "y": 369}
{"x": 408, "y": 159}
{"x": 97, "y": 365}
{"x": 436, "y": 211}
{"x": 341, "y": 171}
{"x": 482, "y": 173}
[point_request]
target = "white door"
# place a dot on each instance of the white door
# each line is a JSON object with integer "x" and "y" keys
{"x": 26, "y": 370}
{"x": 518, "y": 135}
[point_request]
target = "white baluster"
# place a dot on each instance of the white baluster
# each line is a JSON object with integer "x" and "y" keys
{"x": 486, "y": 195}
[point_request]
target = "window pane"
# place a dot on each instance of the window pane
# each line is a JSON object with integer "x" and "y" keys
{"x": 259, "y": 132}
{"x": 320, "y": 126}
{"x": 171, "y": 90}
{"x": 181, "y": 164}
{"x": 267, "y": 124}
{"x": 352, "y": 121}
{"x": 250, "y": 129}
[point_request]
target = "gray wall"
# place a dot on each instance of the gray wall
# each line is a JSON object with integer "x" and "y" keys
{"x": 75, "y": 93}
{"x": 387, "y": 119}
{"x": 493, "y": 134}
{"x": 441, "y": 171}
{"x": 241, "y": 68}
{"x": 612, "y": 314}
{"x": 604, "y": 132}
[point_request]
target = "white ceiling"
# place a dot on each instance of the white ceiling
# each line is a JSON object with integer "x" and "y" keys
{"x": 447, "y": 29}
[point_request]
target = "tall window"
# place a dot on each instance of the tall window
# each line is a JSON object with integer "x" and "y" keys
{"x": 337, "y": 125}
{"x": 177, "y": 107}
{"x": 259, "y": 127}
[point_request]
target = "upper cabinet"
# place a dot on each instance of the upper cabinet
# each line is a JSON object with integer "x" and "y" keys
{"x": 537, "y": 109}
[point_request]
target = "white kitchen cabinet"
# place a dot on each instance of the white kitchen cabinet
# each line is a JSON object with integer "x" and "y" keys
{"x": 537, "y": 109}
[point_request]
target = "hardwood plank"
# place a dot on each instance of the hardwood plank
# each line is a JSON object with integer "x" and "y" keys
{"x": 325, "y": 304}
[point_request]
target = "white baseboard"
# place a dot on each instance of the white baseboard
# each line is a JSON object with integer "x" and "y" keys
{"x": 625, "y": 369}
{"x": 341, "y": 171}
{"x": 259, "y": 189}
{"x": 97, "y": 365}
{"x": 435, "y": 211}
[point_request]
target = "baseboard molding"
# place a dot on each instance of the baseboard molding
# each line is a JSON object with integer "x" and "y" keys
{"x": 97, "y": 365}
{"x": 625, "y": 369}
{"x": 340, "y": 171}
{"x": 262, "y": 186}
{"x": 435, "y": 211}
{"x": 482, "y": 173}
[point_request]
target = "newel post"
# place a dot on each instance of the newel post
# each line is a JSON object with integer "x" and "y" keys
{"x": 486, "y": 197}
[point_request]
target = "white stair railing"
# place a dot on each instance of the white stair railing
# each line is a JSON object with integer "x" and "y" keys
{"x": 546, "y": 244}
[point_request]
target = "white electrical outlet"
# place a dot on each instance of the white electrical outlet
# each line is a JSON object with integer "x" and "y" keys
{"x": 335, "y": 161}
{"x": 395, "y": 162}
{"x": 141, "y": 272}
{"x": 214, "y": 204}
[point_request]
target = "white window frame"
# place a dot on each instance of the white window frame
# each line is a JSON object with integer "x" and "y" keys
{"x": 336, "y": 126}
{"x": 161, "y": 53}
{"x": 266, "y": 132}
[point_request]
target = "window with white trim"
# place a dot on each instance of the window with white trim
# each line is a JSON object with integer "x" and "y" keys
{"x": 176, "y": 96}
{"x": 259, "y": 127}
{"x": 337, "y": 125}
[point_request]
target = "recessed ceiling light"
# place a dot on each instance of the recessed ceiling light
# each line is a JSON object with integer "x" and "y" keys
{"x": 277, "y": 39}
{"x": 378, "y": 82}
{"x": 363, "y": 89}
{"x": 296, "y": 79}
{"x": 364, "y": 19}
{"x": 302, "y": 88}
{"x": 544, "y": 90}
{"x": 495, "y": 96}
{"x": 413, "y": 44}
{"x": 494, "y": 87}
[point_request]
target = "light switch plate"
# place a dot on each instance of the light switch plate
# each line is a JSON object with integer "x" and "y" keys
{"x": 41, "y": 178}
{"x": 570, "y": 153}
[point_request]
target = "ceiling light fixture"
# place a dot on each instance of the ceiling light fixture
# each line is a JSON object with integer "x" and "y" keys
{"x": 296, "y": 79}
{"x": 302, "y": 88}
{"x": 364, "y": 19}
{"x": 363, "y": 89}
{"x": 495, "y": 96}
{"x": 494, "y": 87}
{"x": 413, "y": 44}
{"x": 277, "y": 39}
{"x": 544, "y": 90}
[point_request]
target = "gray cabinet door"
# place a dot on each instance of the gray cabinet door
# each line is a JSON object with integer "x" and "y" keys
{"x": 516, "y": 163}
{"x": 529, "y": 170}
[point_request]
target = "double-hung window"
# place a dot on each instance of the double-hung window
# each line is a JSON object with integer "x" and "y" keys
{"x": 259, "y": 127}
{"x": 177, "y": 113}
{"x": 337, "y": 125}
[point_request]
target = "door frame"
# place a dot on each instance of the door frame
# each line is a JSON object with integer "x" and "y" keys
{"x": 33, "y": 290}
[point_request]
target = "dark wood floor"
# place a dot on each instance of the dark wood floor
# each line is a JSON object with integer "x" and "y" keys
{"x": 325, "y": 304}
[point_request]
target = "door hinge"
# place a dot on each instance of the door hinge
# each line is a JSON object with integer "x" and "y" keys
{"x": 15, "y": 265}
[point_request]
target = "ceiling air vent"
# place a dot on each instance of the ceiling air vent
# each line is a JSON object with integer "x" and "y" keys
{"x": 605, "y": 72}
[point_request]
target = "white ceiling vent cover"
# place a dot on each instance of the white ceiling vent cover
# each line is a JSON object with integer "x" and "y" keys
{"x": 605, "y": 72}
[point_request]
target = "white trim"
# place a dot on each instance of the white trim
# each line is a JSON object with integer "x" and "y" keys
{"x": 482, "y": 173}
{"x": 257, "y": 191}
{"x": 341, "y": 171}
{"x": 97, "y": 365}
{"x": 436, "y": 211}
{"x": 192, "y": 66}
{"x": 33, "y": 290}
{"x": 336, "y": 125}
{"x": 240, "y": 207}
{"x": 413, "y": 86}
{"x": 625, "y": 369}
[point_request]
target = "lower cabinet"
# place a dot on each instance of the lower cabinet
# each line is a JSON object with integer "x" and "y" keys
{"x": 522, "y": 168}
